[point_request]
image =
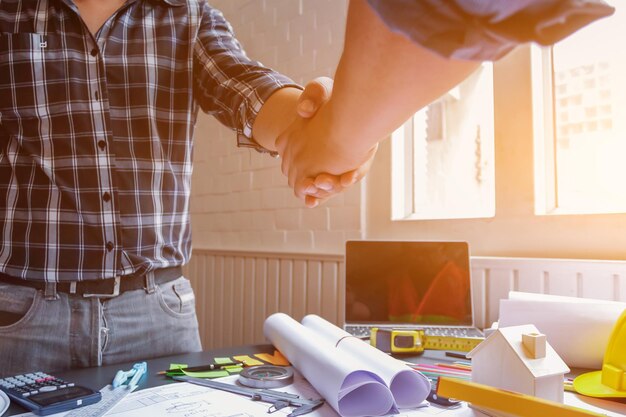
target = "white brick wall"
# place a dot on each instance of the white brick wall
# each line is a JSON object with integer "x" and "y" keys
{"x": 240, "y": 199}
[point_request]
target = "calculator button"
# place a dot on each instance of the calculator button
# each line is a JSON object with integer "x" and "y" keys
{"x": 62, "y": 386}
{"x": 71, "y": 384}
{"x": 26, "y": 394}
{"x": 34, "y": 392}
{"x": 47, "y": 388}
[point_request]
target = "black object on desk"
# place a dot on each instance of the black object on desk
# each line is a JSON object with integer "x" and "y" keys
{"x": 44, "y": 394}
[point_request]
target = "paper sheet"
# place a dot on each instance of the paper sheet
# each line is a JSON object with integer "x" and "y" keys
{"x": 578, "y": 329}
{"x": 408, "y": 387}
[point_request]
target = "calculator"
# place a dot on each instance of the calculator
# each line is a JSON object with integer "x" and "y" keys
{"x": 45, "y": 394}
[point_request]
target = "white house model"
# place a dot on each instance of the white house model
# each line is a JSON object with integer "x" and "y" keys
{"x": 518, "y": 358}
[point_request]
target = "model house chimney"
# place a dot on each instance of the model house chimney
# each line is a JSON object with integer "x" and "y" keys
{"x": 535, "y": 345}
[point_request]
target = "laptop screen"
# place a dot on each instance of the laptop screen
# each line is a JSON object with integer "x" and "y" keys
{"x": 424, "y": 283}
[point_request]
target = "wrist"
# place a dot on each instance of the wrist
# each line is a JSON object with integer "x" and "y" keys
{"x": 349, "y": 134}
{"x": 275, "y": 116}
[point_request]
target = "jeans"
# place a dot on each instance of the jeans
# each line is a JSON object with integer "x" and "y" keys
{"x": 72, "y": 331}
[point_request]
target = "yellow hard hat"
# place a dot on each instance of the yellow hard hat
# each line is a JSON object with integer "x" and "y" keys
{"x": 611, "y": 380}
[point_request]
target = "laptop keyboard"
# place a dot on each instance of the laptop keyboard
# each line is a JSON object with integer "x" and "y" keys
{"x": 364, "y": 331}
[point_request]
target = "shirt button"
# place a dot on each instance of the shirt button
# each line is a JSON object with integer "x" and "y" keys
{"x": 97, "y": 95}
{"x": 106, "y": 197}
{"x": 110, "y": 246}
{"x": 102, "y": 144}
{"x": 94, "y": 52}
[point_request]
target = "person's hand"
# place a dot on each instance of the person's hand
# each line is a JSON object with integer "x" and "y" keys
{"x": 318, "y": 189}
{"x": 316, "y": 165}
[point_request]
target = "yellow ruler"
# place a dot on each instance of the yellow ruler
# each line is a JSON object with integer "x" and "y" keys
{"x": 497, "y": 400}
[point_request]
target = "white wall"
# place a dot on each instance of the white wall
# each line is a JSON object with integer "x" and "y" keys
{"x": 240, "y": 199}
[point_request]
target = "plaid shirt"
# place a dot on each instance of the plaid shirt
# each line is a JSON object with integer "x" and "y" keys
{"x": 96, "y": 133}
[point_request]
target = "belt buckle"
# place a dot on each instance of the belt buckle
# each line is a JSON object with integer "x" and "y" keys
{"x": 115, "y": 293}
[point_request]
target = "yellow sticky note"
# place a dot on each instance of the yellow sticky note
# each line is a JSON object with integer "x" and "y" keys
{"x": 247, "y": 360}
{"x": 222, "y": 360}
{"x": 177, "y": 366}
{"x": 276, "y": 359}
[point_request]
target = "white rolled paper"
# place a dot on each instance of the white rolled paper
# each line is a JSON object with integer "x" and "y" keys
{"x": 578, "y": 329}
{"x": 408, "y": 386}
{"x": 351, "y": 389}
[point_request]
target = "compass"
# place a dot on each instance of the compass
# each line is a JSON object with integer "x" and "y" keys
{"x": 266, "y": 376}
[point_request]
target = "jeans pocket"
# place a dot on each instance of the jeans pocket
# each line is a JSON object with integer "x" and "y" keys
{"x": 17, "y": 305}
{"x": 177, "y": 297}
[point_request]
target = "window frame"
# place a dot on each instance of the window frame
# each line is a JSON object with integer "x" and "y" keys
{"x": 516, "y": 230}
{"x": 403, "y": 168}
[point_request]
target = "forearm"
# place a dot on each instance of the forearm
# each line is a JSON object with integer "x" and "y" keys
{"x": 383, "y": 78}
{"x": 275, "y": 116}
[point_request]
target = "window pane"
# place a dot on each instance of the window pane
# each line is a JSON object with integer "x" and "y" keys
{"x": 449, "y": 159}
{"x": 589, "y": 80}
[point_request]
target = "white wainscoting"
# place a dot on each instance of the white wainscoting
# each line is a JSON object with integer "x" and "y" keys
{"x": 236, "y": 291}
{"x": 493, "y": 278}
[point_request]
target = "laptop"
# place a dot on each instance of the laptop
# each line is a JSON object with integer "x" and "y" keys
{"x": 409, "y": 285}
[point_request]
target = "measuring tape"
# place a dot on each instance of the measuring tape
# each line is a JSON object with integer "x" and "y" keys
{"x": 415, "y": 341}
{"x": 266, "y": 376}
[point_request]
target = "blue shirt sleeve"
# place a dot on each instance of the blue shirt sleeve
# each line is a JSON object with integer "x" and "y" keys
{"x": 486, "y": 30}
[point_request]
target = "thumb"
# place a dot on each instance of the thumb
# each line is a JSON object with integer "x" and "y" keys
{"x": 316, "y": 93}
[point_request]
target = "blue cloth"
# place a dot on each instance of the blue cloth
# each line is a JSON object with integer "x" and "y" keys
{"x": 486, "y": 30}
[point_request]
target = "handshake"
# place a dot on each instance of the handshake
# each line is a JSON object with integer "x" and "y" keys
{"x": 320, "y": 154}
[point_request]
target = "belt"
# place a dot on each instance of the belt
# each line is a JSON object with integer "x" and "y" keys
{"x": 102, "y": 288}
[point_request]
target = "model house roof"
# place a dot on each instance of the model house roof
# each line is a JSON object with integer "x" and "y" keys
{"x": 511, "y": 338}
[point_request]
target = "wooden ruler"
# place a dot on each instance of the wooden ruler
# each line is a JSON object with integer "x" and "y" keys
{"x": 501, "y": 401}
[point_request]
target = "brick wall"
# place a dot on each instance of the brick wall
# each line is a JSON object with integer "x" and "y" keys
{"x": 240, "y": 199}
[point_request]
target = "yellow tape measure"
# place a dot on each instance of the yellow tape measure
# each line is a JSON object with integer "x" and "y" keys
{"x": 462, "y": 344}
{"x": 415, "y": 341}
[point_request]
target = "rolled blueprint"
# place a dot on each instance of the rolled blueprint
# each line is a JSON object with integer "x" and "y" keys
{"x": 345, "y": 384}
{"x": 578, "y": 329}
{"x": 408, "y": 387}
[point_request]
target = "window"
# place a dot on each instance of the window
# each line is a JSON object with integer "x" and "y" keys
{"x": 580, "y": 154}
{"x": 443, "y": 158}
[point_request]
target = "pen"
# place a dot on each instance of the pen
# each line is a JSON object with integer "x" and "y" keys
{"x": 456, "y": 355}
{"x": 201, "y": 368}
